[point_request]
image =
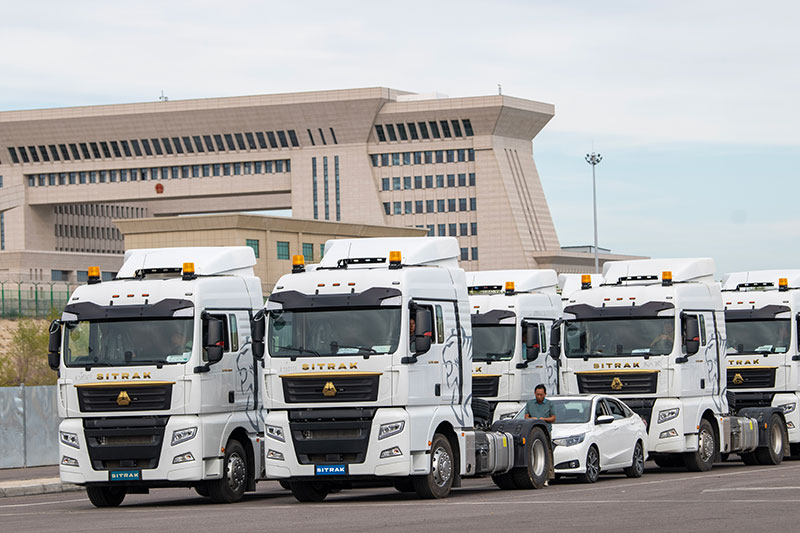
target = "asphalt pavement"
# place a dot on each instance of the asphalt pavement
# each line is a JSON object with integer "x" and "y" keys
{"x": 732, "y": 497}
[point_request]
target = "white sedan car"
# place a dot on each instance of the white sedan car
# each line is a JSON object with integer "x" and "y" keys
{"x": 594, "y": 433}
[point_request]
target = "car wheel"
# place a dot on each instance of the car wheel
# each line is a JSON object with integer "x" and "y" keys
{"x": 592, "y": 466}
{"x": 637, "y": 464}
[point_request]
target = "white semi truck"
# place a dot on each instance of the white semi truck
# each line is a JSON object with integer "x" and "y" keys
{"x": 653, "y": 334}
{"x": 156, "y": 376}
{"x": 367, "y": 377}
{"x": 513, "y": 312}
{"x": 762, "y": 309}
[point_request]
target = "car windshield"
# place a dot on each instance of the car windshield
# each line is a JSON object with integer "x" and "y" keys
{"x": 493, "y": 342}
{"x": 619, "y": 337}
{"x": 572, "y": 411}
{"x": 758, "y": 336}
{"x": 303, "y": 333}
{"x": 128, "y": 342}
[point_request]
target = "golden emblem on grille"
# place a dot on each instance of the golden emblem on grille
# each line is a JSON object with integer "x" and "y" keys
{"x": 329, "y": 389}
{"x": 738, "y": 379}
{"x": 123, "y": 399}
{"x": 616, "y": 384}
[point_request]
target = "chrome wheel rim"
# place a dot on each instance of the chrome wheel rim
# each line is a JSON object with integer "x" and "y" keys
{"x": 706, "y": 448}
{"x": 777, "y": 439}
{"x": 638, "y": 459}
{"x": 237, "y": 472}
{"x": 442, "y": 467}
{"x": 537, "y": 458}
{"x": 592, "y": 464}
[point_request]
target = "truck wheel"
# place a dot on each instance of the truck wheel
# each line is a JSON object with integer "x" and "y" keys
{"x": 231, "y": 487}
{"x": 703, "y": 459}
{"x": 284, "y": 484}
{"x": 668, "y": 461}
{"x": 772, "y": 453}
{"x": 504, "y": 481}
{"x": 309, "y": 491}
{"x": 106, "y": 496}
{"x": 637, "y": 465}
{"x": 202, "y": 490}
{"x": 439, "y": 481}
{"x": 592, "y": 466}
{"x": 538, "y": 461}
{"x": 404, "y": 485}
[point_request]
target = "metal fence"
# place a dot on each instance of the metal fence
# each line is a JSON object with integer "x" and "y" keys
{"x": 33, "y": 299}
{"x": 28, "y": 426}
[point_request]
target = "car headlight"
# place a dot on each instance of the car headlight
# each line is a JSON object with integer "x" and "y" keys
{"x": 392, "y": 428}
{"x": 788, "y": 407}
{"x": 182, "y": 435}
{"x": 572, "y": 440}
{"x": 668, "y": 414}
{"x": 70, "y": 439}
{"x": 275, "y": 432}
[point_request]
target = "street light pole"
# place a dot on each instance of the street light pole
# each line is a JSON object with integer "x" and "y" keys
{"x": 593, "y": 159}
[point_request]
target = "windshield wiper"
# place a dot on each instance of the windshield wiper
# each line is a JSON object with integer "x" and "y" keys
{"x": 297, "y": 349}
{"x": 367, "y": 350}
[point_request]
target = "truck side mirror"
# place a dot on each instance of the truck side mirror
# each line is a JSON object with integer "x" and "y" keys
{"x": 555, "y": 340}
{"x": 258, "y": 327}
{"x": 214, "y": 341}
{"x": 691, "y": 332}
{"x": 423, "y": 330}
{"x": 54, "y": 345}
{"x": 532, "y": 342}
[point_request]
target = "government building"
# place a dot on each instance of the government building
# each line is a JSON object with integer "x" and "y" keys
{"x": 72, "y": 178}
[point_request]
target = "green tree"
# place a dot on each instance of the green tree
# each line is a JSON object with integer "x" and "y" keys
{"x": 27, "y": 356}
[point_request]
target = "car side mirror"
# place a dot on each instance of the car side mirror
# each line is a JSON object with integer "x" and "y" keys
{"x": 54, "y": 345}
{"x": 604, "y": 419}
{"x": 258, "y": 328}
{"x": 214, "y": 341}
{"x": 532, "y": 346}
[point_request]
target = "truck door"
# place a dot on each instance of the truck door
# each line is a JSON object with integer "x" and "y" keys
{"x": 700, "y": 371}
{"x": 424, "y": 376}
{"x": 217, "y": 383}
{"x": 543, "y": 369}
{"x": 449, "y": 335}
{"x": 243, "y": 365}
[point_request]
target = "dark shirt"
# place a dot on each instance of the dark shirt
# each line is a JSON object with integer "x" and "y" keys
{"x": 540, "y": 410}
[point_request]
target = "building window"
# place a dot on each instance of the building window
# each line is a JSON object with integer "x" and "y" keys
{"x": 373, "y": 157}
{"x": 82, "y": 275}
{"x": 429, "y": 206}
{"x": 321, "y": 251}
{"x": 431, "y": 231}
{"x": 379, "y": 132}
{"x": 407, "y": 182}
{"x": 473, "y": 204}
{"x": 471, "y": 179}
{"x": 440, "y": 206}
{"x": 439, "y": 156}
{"x": 439, "y": 181}
{"x": 451, "y": 180}
{"x": 396, "y": 184}
{"x": 325, "y": 187}
{"x": 396, "y": 159}
{"x": 465, "y": 254}
{"x": 452, "y": 230}
{"x": 462, "y": 204}
{"x": 473, "y": 226}
{"x": 467, "y": 127}
{"x": 429, "y": 182}
{"x": 451, "y": 204}
{"x": 418, "y": 206}
{"x": 406, "y": 158}
{"x": 308, "y": 252}
{"x": 474, "y": 253}
{"x": 398, "y": 208}
{"x": 417, "y": 158}
{"x": 442, "y": 230}
{"x": 314, "y": 187}
{"x": 462, "y": 229}
{"x": 390, "y": 132}
{"x": 407, "y": 208}
{"x": 2, "y": 231}
{"x": 451, "y": 156}
{"x": 283, "y": 250}
{"x": 387, "y": 208}
{"x": 337, "y": 189}
{"x": 462, "y": 180}
{"x": 417, "y": 182}
{"x": 253, "y": 243}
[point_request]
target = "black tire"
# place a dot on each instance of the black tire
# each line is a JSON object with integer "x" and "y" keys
{"x": 637, "y": 464}
{"x": 106, "y": 496}
{"x": 504, "y": 481}
{"x": 749, "y": 458}
{"x": 592, "y": 466}
{"x": 309, "y": 491}
{"x": 235, "y": 469}
{"x": 202, "y": 490}
{"x": 439, "y": 481}
{"x": 538, "y": 461}
{"x": 481, "y": 409}
{"x": 723, "y": 457}
{"x": 404, "y": 485}
{"x": 772, "y": 453}
{"x": 284, "y": 484}
{"x": 668, "y": 461}
{"x": 703, "y": 459}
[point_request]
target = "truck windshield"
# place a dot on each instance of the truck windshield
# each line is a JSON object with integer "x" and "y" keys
{"x": 758, "y": 336}
{"x": 304, "y": 333}
{"x": 619, "y": 337}
{"x": 128, "y": 342}
{"x": 493, "y": 342}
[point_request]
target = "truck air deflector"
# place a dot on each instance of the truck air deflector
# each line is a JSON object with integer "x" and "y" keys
{"x": 585, "y": 311}
{"x": 766, "y": 312}
{"x": 163, "y": 309}
{"x": 495, "y": 316}
{"x": 369, "y": 298}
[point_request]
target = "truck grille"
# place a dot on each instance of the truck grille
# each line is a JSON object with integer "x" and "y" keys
{"x": 330, "y": 389}
{"x": 323, "y": 436}
{"x": 122, "y": 398}
{"x": 485, "y": 386}
{"x": 124, "y": 442}
{"x": 642, "y": 407}
{"x": 617, "y": 382}
{"x": 751, "y": 378}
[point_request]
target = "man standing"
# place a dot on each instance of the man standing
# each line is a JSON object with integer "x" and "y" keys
{"x": 541, "y": 408}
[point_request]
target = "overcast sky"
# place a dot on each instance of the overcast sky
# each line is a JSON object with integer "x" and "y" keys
{"x": 693, "y": 105}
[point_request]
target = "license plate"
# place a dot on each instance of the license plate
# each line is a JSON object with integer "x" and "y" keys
{"x": 125, "y": 475}
{"x": 331, "y": 470}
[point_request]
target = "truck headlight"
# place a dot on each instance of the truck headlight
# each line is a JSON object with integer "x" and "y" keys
{"x": 668, "y": 414}
{"x": 392, "y": 428}
{"x": 572, "y": 440}
{"x": 788, "y": 407}
{"x": 183, "y": 458}
{"x": 275, "y": 432}
{"x": 182, "y": 435}
{"x": 70, "y": 439}
{"x": 69, "y": 461}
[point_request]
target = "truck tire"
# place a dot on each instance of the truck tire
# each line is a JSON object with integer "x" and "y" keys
{"x": 481, "y": 409}
{"x": 439, "y": 481}
{"x": 284, "y": 484}
{"x": 201, "y": 489}
{"x": 749, "y": 458}
{"x": 637, "y": 464}
{"x": 538, "y": 461}
{"x": 668, "y": 461}
{"x": 404, "y": 485}
{"x": 592, "y": 466}
{"x": 703, "y": 459}
{"x": 504, "y": 481}
{"x": 772, "y": 453}
{"x": 231, "y": 487}
{"x": 106, "y": 496}
{"x": 309, "y": 491}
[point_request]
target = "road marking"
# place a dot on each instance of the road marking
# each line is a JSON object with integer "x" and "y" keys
{"x": 733, "y": 489}
{"x": 39, "y": 503}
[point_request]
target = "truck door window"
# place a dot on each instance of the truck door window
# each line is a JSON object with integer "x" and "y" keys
{"x": 542, "y": 338}
{"x": 689, "y": 322}
{"x": 439, "y": 325}
{"x": 234, "y": 329}
{"x": 702, "y": 330}
{"x": 225, "y": 335}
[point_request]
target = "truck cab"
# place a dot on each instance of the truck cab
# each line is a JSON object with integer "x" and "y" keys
{"x": 156, "y": 376}
{"x": 513, "y": 312}
{"x": 762, "y": 309}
